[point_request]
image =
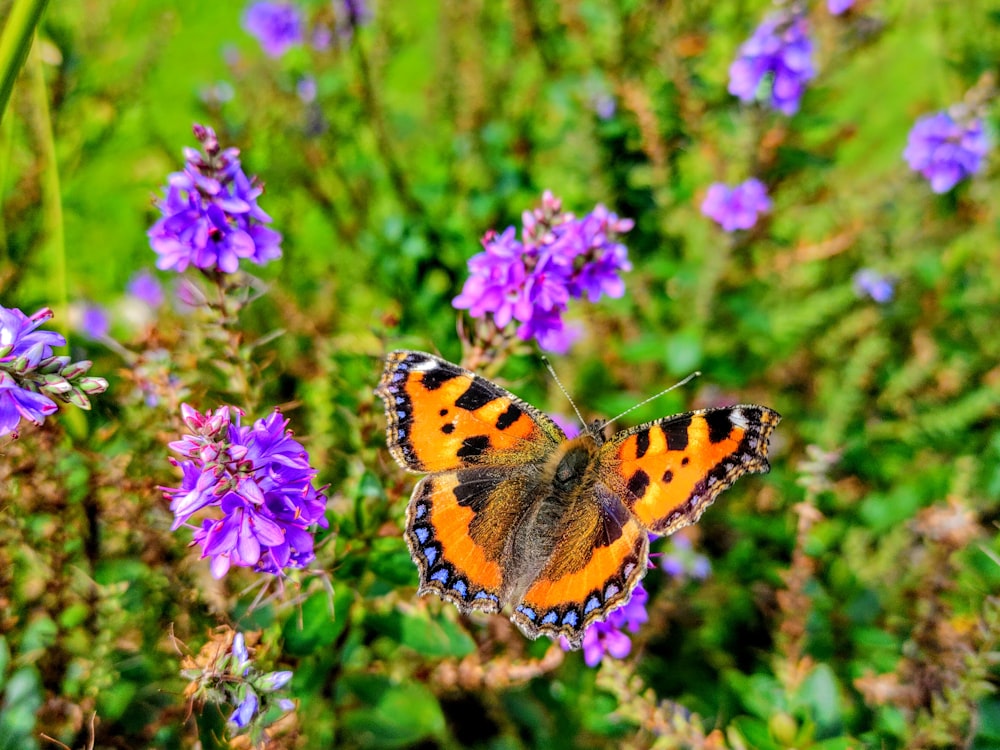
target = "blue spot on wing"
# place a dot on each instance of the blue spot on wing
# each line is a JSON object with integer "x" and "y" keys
{"x": 570, "y": 618}
{"x": 592, "y": 604}
{"x": 460, "y": 587}
{"x": 420, "y": 511}
{"x": 550, "y": 618}
{"x": 431, "y": 554}
{"x": 422, "y": 533}
{"x": 440, "y": 575}
{"x": 527, "y": 612}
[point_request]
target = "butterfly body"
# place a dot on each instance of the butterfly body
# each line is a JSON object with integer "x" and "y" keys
{"x": 513, "y": 514}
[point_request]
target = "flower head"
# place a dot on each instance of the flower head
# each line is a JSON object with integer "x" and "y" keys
{"x": 837, "y": 7}
{"x": 779, "y": 54}
{"x": 736, "y": 207}
{"x": 210, "y": 214}
{"x": 946, "y": 150}
{"x": 257, "y": 482}
{"x": 681, "y": 561}
{"x": 277, "y": 26}
{"x": 145, "y": 287}
{"x": 532, "y": 280}
{"x": 608, "y": 637}
{"x": 870, "y": 283}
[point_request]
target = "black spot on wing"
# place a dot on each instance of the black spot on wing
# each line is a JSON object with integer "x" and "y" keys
{"x": 676, "y": 434}
{"x": 473, "y": 447}
{"x": 668, "y": 476}
{"x": 719, "y": 425}
{"x": 439, "y": 375}
{"x": 509, "y": 417}
{"x": 443, "y": 412}
{"x": 641, "y": 443}
{"x": 448, "y": 428}
{"x": 476, "y": 396}
{"x": 638, "y": 483}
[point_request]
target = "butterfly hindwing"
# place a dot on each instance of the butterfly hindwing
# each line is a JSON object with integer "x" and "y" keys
{"x": 457, "y": 528}
{"x": 599, "y": 559}
{"x": 670, "y": 470}
{"x": 442, "y": 417}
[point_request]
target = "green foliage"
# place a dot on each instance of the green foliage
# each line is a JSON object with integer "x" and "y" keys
{"x": 851, "y": 598}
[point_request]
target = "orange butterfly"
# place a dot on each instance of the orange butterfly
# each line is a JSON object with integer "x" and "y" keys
{"x": 513, "y": 512}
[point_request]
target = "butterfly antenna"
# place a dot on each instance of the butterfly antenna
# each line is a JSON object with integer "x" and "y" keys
{"x": 565, "y": 392}
{"x": 686, "y": 380}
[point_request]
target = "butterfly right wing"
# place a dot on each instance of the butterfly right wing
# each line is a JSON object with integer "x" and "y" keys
{"x": 442, "y": 417}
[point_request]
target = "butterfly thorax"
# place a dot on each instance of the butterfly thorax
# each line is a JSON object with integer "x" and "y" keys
{"x": 565, "y": 481}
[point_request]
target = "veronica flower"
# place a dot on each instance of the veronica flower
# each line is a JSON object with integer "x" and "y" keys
{"x": 211, "y": 219}
{"x": 946, "y": 150}
{"x": 277, "y": 26}
{"x": 736, "y": 207}
{"x": 872, "y": 284}
{"x": 31, "y": 376}
{"x": 256, "y": 482}
{"x": 532, "y": 280}
{"x": 776, "y": 61}
{"x": 609, "y": 637}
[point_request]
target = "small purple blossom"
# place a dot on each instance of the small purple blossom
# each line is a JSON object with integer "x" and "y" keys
{"x": 836, "y": 7}
{"x": 246, "y": 710}
{"x": 351, "y": 15}
{"x": 607, "y": 637}
{"x": 257, "y": 482}
{"x": 736, "y": 207}
{"x": 22, "y": 348}
{"x": 94, "y": 322}
{"x": 870, "y": 283}
{"x": 779, "y": 55}
{"x": 558, "y": 258}
{"x": 210, "y": 214}
{"x": 277, "y": 26}
{"x": 681, "y": 561}
{"x": 946, "y": 150}
{"x": 146, "y": 288}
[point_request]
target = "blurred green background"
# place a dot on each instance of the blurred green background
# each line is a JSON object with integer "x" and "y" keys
{"x": 852, "y": 596}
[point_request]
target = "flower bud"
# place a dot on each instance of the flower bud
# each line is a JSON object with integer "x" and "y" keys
{"x": 75, "y": 370}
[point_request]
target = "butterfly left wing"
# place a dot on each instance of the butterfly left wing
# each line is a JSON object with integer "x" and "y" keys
{"x": 669, "y": 471}
{"x": 598, "y": 560}
{"x": 442, "y": 417}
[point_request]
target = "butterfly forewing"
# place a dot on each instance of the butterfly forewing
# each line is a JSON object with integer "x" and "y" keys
{"x": 444, "y": 417}
{"x": 669, "y": 471}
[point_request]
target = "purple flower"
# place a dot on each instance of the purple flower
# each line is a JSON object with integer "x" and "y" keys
{"x": 145, "y": 287}
{"x": 737, "y": 207}
{"x": 945, "y": 150}
{"x": 94, "y": 321}
{"x": 259, "y": 483}
{"x": 210, "y": 214}
{"x": 680, "y": 561}
{"x": 246, "y": 710}
{"x": 836, "y": 7}
{"x": 22, "y": 348}
{"x": 779, "y": 52}
{"x": 277, "y": 26}
{"x": 869, "y": 283}
{"x": 608, "y": 637}
{"x": 558, "y": 258}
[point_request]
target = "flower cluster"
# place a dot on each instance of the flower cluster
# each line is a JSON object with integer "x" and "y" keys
{"x": 31, "y": 376}
{"x": 229, "y": 676}
{"x": 210, "y": 214}
{"x": 277, "y": 26}
{"x": 681, "y": 561}
{"x": 260, "y": 481}
{"x": 531, "y": 280}
{"x": 870, "y": 283}
{"x": 736, "y": 207}
{"x": 608, "y": 637}
{"x": 780, "y": 52}
{"x": 946, "y": 150}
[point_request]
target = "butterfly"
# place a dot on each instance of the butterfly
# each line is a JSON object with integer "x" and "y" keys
{"x": 514, "y": 513}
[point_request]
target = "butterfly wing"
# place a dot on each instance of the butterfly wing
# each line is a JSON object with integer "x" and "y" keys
{"x": 457, "y": 527}
{"x": 442, "y": 417}
{"x": 599, "y": 559}
{"x": 669, "y": 471}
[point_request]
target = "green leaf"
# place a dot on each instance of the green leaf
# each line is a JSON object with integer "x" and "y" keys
{"x": 398, "y": 715}
{"x": 318, "y": 627}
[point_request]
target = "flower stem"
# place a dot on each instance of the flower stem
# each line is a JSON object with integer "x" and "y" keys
{"x": 15, "y": 41}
